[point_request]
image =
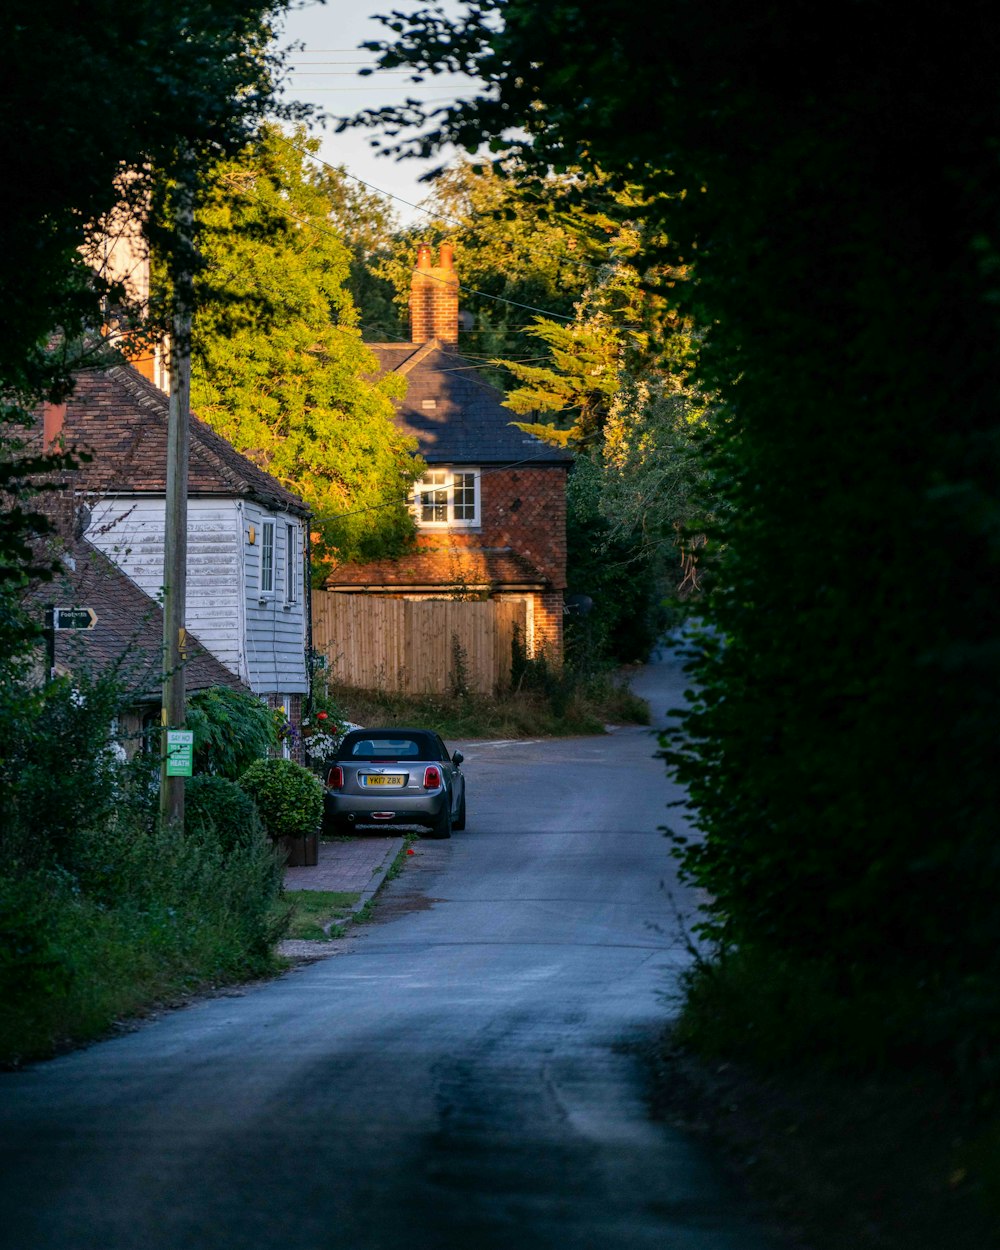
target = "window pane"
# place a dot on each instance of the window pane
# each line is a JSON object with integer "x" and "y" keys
{"x": 433, "y": 503}
{"x": 267, "y": 558}
{"x": 290, "y": 563}
{"x": 465, "y": 496}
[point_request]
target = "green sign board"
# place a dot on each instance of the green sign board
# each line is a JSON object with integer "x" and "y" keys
{"x": 73, "y": 618}
{"x": 180, "y": 752}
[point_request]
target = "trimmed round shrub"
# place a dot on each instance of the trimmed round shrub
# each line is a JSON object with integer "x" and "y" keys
{"x": 219, "y": 804}
{"x": 288, "y": 797}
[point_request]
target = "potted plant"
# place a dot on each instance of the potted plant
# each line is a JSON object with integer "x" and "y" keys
{"x": 290, "y": 801}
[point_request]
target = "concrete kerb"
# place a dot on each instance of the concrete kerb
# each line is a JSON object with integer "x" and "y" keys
{"x": 379, "y": 875}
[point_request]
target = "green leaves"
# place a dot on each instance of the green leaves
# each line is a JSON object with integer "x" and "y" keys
{"x": 288, "y": 797}
{"x": 232, "y": 728}
{"x": 281, "y": 370}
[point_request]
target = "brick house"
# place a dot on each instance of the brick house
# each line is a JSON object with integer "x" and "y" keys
{"x": 491, "y": 508}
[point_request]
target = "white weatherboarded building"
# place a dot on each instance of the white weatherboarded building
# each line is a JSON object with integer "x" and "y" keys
{"x": 247, "y": 561}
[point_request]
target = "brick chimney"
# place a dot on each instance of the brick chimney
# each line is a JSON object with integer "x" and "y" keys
{"x": 434, "y": 297}
{"x": 53, "y": 421}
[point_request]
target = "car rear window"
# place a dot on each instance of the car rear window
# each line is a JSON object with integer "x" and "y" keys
{"x": 386, "y": 748}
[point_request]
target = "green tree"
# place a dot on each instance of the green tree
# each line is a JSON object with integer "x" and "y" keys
{"x": 366, "y": 223}
{"x": 618, "y": 389}
{"x": 281, "y": 370}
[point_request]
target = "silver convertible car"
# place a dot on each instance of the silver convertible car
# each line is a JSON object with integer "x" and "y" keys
{"x": 394, "y": 777}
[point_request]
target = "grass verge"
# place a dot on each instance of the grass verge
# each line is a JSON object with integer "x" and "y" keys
{"x": 564, "y": 707}
{"x": 315, "y": 914}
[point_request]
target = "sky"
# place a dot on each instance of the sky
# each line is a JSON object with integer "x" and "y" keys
{"x": 324, "y": 72}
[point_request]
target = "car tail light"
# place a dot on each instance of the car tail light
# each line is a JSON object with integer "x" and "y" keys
{"x": 432, "y": 777}
{"x": 335, "y": 777}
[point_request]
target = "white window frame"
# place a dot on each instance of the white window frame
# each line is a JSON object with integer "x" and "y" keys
{"x": 291, "y": 565}
{"x": 442, "y": 479}
{"x": 267, "y": 554}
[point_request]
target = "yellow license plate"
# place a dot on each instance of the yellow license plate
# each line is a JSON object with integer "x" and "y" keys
{"x": 388, "y": 779}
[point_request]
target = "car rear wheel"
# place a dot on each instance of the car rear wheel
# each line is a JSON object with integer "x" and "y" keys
{"x": 336, "y": 826}
{"x": 442, "y": 826}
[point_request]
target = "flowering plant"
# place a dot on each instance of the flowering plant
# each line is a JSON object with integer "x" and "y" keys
{"x": 321, "y": 745}
{"x": 322, "y": 738}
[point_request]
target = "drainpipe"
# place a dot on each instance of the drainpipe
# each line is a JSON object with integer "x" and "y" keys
{"x": 307, "y": 596}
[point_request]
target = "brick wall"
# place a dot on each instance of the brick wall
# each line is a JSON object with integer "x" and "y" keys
{"x": 549, "y": 626}
{"x": 524, "y": 509}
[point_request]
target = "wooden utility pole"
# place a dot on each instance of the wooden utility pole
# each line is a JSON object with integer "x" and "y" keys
{"x": 175, "y": 542}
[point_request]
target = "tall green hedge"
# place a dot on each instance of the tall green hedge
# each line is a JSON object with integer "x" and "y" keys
{"x": 841, "y": 752}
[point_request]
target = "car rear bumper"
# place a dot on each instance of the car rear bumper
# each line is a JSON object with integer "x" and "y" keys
{"x": 385, "y": 809}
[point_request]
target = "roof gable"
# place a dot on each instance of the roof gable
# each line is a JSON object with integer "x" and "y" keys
{"x": 121, "y": 419}
{"x": 455, "y": 416}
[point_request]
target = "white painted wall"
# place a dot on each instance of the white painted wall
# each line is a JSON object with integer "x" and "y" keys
{"x": 275, "y": 628}
{"x": 261, "y": 639}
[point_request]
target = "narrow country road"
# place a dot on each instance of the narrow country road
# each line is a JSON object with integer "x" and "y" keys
{"x": 461, "y": 1075}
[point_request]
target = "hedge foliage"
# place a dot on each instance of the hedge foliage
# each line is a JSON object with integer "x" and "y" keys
{"x": 288, "y": 796}
{"x": 232, "y": 728}
{"x": 101, "y": 911}
{"x": 841, "y": 749}
{"x": 219, "y": 805}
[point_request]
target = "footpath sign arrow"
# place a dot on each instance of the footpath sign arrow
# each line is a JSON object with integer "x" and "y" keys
{"x": 73, "y": 618}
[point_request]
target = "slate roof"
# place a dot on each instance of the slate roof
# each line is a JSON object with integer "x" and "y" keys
{"x": 439, "y": 568}
{"x": 121, "y": 418}
{"x": 456, "y": 416}
{"x": 129, "y": 629}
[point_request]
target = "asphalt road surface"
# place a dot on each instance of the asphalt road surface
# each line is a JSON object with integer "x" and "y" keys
{"x": 461, "y": 1075}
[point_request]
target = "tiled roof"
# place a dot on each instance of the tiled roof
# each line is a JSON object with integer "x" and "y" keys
{"x": 122, "y": 420}
{"x": 456, "y": 416}
{"x": 449, "y": 567}
{"x": 129, "y": 629}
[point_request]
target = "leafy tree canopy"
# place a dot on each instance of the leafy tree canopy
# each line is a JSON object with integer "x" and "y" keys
{"x": 91, "y": 91}
{"x": 367, "y": 225}
{"x": 280, "y": 368}
{"x": 618, "y": 390}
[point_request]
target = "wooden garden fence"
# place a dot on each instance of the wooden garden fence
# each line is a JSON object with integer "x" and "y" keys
{"x": 417, "y": 646}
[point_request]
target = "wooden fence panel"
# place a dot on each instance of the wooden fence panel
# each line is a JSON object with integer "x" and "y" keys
{"x": 414, "y": 645}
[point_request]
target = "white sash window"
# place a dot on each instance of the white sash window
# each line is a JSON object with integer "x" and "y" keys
{"x": 447, "y": 499}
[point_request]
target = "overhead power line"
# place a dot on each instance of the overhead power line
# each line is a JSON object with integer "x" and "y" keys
{"x": 469, "y": 290}
{"x": 339, "y": 169}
